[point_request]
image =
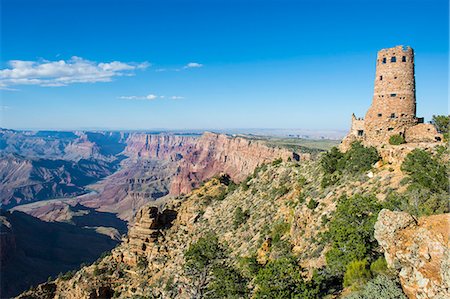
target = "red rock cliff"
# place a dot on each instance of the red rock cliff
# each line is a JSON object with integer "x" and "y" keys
{"x": 200, "y": 158}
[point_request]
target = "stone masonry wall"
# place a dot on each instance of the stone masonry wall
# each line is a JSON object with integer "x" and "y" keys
{"x": 393, "y": 107}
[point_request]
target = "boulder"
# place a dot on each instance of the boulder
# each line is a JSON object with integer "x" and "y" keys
{"x": 418, "y": 250}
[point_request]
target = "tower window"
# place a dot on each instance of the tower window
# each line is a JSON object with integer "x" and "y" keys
{"x": 404, "y": 59}
{"x": 393, "y": 59}
{"x": 381, "y": 78}
{"x": 393, "y": 94}
{"x": 360, "y": 132}
{"x": 384, "y": 60}
{"x": 380, "y": 115}
{"x": 392, "y": 115}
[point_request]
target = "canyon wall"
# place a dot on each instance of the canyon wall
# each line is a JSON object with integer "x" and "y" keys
{"x": 200, "y": 158}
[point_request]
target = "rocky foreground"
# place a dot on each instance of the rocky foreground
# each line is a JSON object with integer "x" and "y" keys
{"x": 419, "y": 250}
{"x": 282, "y": 212}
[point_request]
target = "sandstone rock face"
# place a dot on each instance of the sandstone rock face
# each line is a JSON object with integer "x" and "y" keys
{"x": 418, "y": 250}
{"x": 200, "y": 158}
{"x": 149, "y": 222}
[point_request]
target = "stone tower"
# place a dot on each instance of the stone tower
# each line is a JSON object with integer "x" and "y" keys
{"x": 393, "y": 107}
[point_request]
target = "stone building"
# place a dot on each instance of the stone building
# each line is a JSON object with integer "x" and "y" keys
{"x": 393, "y": 109}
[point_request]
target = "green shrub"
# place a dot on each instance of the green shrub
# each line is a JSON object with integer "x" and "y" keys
{"x": 324, "y": 219}
{"x": 211, "y": 277}
{"x": 330, "y": 179}
{"x": 418, "y": 201}
{"x": 356, "y": 274}
{"x": 282, "y": 190}
{"x": 142, "y": 263}
{"x": 245, "y": 183}
{"x": 426, "y": 171}
{"x": 201, "y": 260}
{"x": 379, "y": 266}
{"x": 332, "y": 160}
{"x": 279, "y": 229}
{"x": 356, "y": 160}
{"x": 204, "y": 252}
{"x": 98, "y": 271}
{"x": 227, "y": 283}
{"x": 396, "y": 139}
{"x": 277, "y": 162}
{"x": 351, "y": 231}
{"x": 66, "y": 276}
{"x": 249, "y": 266}
{"x": 280, "y": 278}
{"x": 359, "y": 158}
{"x": 301, "y": 198}
{"x": 381, "y": 287}
{"x": 302, "y": 181}
{"x": 312, "y": 204}
{"x": 240, "y": 217}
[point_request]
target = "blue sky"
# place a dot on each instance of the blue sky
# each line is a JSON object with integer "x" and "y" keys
{"x": 210, "y": 64}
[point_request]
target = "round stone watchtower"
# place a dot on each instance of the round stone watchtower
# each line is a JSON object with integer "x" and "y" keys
{"x": 393, "y": 106}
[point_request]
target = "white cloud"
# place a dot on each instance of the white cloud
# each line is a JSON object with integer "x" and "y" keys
{"x": 150, "y": 97}
{"x": 61, "y": 72}
{"x": 131, "y": 98}
{"x": 191, "y": 65}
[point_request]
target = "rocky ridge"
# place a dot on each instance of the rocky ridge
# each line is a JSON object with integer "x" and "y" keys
{"x": 150, "y": 260}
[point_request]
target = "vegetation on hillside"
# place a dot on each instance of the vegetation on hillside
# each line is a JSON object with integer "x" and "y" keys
{"x": 353, "y": 257}
{"x": 336, "y": 164}
{"x": 428, "y": 185}
{"x": 289, "y": 230}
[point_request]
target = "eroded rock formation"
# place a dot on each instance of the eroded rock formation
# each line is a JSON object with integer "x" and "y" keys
{"x": 419, "y": 250}
{"x": 200, "y": 158}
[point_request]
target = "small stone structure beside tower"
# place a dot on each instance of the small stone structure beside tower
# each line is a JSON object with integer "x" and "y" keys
{"x": 393, "y": 109}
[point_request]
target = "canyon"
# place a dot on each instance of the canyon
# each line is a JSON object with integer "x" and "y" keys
{"x": 96, "y": 182}
{"x": 160, "y": 194}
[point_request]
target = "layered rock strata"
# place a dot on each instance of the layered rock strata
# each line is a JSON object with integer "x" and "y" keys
{"x": 200, "y": 158}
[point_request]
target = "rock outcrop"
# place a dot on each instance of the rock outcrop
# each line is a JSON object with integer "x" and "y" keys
{"x": 145, "y": 231}
{"x": 419, "y": 250}
{"x": 151, "y": 259}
